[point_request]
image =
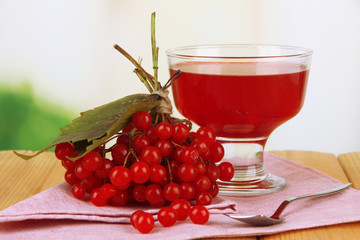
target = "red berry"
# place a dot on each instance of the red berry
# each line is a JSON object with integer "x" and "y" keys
{"x": 167, "y": 216}
{"x": 165, "y": 147}
{"x": 78, "y": 191}
{"x": 150, "y": 155}
{"x": 202, "y": 183}
{"x": 109, "y": 190}
{"x": 98, "y": 198}
{"x": 164, "y": 130}
{"x": 138, "y": 193}
{"x": 172, "y": 191}
{"x": 203, "y": 198}
{"x": 226, "y": 170}
{"x": 202, "y": 147}
{"x": 189, "y": 155}
{"x": 142, "y": 120}
{"x": 199, "y": 214}
{"x": 206, "y": 133}
{"x": 140, "y": 172}
{"x": 104, "y": 170}
{"x": 212, "y": 172}
{"x": 81, "y": 172}
{"x": 123, "y": 139}
{"x": 153, "y": 193}
{"x": 71, "y": 178}
{"x": 186, "y": 172}
{"x": 92, "y": 161}
{"x": 216, "y": 152}
{"x": 151, "y": 134}
{"x": 91, "y": 183}
{"x": 119, "y": 153}
{"x": 182, "y": 207}
{"x": 214, "y": 189}
{"x": 144, "y": 222}
{"x": 157, "y": 173}
{"x": 134, "y": 216}
{"x": 120, "y": 177}
{"x": 188, "y": 191}
{"x": 128, "y": 128}
{"x": 64, "y": 150}
{"x": 200, "y": 168}
{"x": 139, "y": 142}
{"x": 181, "y": 133}
{"x": 120, "y": 198}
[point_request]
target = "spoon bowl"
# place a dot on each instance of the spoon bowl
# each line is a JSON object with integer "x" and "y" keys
{"x": 262, "y": 220}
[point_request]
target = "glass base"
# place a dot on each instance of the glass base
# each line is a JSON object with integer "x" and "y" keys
{"x": 250, "y": 175}
{"x": 269, "y": 184}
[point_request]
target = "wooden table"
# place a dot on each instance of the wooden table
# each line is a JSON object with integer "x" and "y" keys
{"x": 21, "y": 179}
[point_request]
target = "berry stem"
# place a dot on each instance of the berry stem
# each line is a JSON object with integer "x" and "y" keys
{"x": 155, "y": 52}
{"x": 143, "y": 79}
{"x": 146, "y": 75}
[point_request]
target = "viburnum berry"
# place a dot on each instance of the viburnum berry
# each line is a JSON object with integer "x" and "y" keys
{"x": 120, "y": 177}
{"x": 78, "y": 191}
{"x": 142, "y": 120}
{"x": 189, "y": 155}
{"x": 150, "y": 155}
{"x": 140, "y": 172}
{"x": 134, "y": 216}
{"x": 181, "y": 133}
{"x": 119, "y": 153}
{"x": 92, "y": 161}
{"x": 216, "y": 152}
{"x": 202, "y": 183}
{"x": 212, "y": 172}
{"x": 139, "y": 142}
{"x": 109, "y": 190}
{"x": 138, "y": 193}
{"x": 151, "y": 134}
{"x": 203, "y": 198}
{"x": 71, "y": 178}
{"x": 165, "y": 147}
{"x": 81, "y": 172}
{"x": 172, "y": 191}
{"x": 226, "y": 170}
{"x": 199, "y": 214}
{"x": 104, "y": 170}
{"x": 98, "y": 198}
{"x": 206, "y": 133}
{"x": 188, "y": 190}
{"x": 144, "y": 222}
{"x": 202, "y": 147}
{"x": 120, "y": 198}
{"x": 124, "y": 139}
{"x": 164, "y": 130}
{"x": 157, "y": 173}
{"x": 153, "y": 193}
{"x": 182, "y": 208}
{"x": 64, "y": 150}
{"x": 186, "y": 172}
{"x": 167, "y": 216}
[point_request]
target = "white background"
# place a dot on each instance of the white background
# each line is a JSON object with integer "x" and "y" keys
{"x": 65, "y": 49}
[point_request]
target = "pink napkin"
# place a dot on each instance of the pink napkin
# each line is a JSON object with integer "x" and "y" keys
{"x": 55, "y": 214}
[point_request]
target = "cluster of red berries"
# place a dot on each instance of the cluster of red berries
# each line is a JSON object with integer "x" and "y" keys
{"x": 179, "y": 210}
{"x": 152, "y": 164}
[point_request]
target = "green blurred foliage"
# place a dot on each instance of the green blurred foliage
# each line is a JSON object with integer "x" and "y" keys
{"x": 28, "y": 122}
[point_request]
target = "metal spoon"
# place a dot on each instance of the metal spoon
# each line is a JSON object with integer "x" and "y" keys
{"x": 261, "y": 220}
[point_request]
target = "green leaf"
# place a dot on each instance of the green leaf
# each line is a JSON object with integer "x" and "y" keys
{"x": 95, "y": 126}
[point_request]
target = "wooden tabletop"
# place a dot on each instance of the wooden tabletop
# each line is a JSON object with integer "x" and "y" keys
{"x": 20, "y": 179}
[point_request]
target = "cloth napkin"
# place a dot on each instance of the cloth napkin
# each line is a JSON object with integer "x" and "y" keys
{"x": 55, "y": 214}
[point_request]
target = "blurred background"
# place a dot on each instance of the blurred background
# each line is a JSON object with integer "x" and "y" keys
{"x": 57, "y": 59}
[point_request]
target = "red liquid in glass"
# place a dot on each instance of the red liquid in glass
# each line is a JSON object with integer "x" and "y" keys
{"x": 239, "y": 100}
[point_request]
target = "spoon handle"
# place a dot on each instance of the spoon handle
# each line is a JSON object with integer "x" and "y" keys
{"x": 284, "y": 204}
